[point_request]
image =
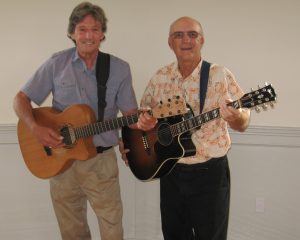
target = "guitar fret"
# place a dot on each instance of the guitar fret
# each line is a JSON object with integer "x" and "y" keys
{"x": 88, "y": 131}
{"x": 198, "y": 121}
{"x": 106, "y": 125}
{"x": 81, "y": 132}
{"x": 174, "y": 130}
{"x": 114, "y": 123}
{"x": 206, "y": 117}
{"x": 182, "y": 126}
{"x": 98, "y": 127}
{"x": 76, "y": 133}
{"x": 95, "y": 128}
{"x": 127, "y": 121}
{"x": 215, "y": 113}
{"x": 92, "y": 128}
{"x": 103, "y": 127}
{"x": 235, "y": 104}
{"x": 119, "y": 121}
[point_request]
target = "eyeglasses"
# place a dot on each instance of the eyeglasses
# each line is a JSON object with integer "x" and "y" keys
{"x": 180, "y": 35}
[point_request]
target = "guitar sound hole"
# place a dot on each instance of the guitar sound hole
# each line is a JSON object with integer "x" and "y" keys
{"x": 164, "y": 134}
{"x": 68, "y": 135}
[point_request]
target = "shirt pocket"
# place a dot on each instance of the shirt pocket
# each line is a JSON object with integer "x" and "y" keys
{"x": 65, "y": 92}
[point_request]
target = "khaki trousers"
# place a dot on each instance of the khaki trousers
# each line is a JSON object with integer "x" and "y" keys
{"x": 97, "y": 181}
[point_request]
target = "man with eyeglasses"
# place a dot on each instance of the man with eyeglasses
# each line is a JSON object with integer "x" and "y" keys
{"x": 195, "y": 194}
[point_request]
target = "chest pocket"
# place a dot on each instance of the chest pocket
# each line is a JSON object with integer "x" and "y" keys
{"x": 65, "y": 91}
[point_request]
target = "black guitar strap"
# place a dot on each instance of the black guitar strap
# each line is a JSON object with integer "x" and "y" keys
{"x": 204, "y": 73}
{"x": 102, "y": 74}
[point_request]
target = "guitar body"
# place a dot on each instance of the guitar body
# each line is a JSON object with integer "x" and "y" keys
{"x": 152, "y": 155}
{"x": 45, "y": 164}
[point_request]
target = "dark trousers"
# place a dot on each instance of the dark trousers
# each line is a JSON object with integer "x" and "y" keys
{"x": 195, "y": 201}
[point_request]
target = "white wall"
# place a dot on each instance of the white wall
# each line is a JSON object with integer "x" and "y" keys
{"x": 257, "y": 40}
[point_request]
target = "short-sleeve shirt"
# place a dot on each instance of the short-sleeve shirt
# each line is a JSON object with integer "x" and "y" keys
{"x": 67, "y": 78}
{"x": 212, "y": 139}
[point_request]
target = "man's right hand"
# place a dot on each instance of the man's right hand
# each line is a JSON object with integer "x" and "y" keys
{"x": 47, "y": 136}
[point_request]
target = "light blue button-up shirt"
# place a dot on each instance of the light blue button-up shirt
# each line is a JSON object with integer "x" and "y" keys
{"x": 65, "y": 76}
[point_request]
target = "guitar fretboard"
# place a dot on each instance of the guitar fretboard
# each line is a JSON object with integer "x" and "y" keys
{"x": 199, "y": 120}
{"x": 107, "y": 125}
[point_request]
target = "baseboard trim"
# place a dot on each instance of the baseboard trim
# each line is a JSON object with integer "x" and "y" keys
{"x": 8, "y": 134}
{"x": 268, "y": 136}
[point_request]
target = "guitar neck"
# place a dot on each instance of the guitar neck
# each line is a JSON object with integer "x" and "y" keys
{"x": 104, "y": 126}
{"x": 199, "y": 120}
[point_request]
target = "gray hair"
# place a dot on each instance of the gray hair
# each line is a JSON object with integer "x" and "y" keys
{"x": 81, "y": 11}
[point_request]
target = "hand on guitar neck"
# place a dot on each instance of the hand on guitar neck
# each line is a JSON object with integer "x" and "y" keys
{"x": 238, "y": 119}
{"x": 146, "y": 121}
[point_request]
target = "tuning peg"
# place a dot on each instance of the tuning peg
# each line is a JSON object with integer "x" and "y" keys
{"x": 257, "y": 109}
{"x": 265, "y": 107}
{"x": 258, "y": 87}
{"x": 266, "y": 84}
{"x": 271, "y": 104}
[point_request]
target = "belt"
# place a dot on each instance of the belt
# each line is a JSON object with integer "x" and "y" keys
{"x": 101, "y": 149}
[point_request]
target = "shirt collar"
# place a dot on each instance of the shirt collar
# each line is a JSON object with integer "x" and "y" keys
{"x": 78, "y": 60}
{"x": 177, "y": 73}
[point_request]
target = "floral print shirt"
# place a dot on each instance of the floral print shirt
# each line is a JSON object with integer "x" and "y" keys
{"x": 212, "y": 139}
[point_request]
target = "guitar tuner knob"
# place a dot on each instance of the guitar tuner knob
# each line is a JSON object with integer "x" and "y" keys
{"x": 257, "y": 109}
{"x": 265, "y": 107}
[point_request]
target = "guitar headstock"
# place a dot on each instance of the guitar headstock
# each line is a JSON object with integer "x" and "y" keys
{"x": 260, "y": 97}
{"x": 172, "y": 107}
